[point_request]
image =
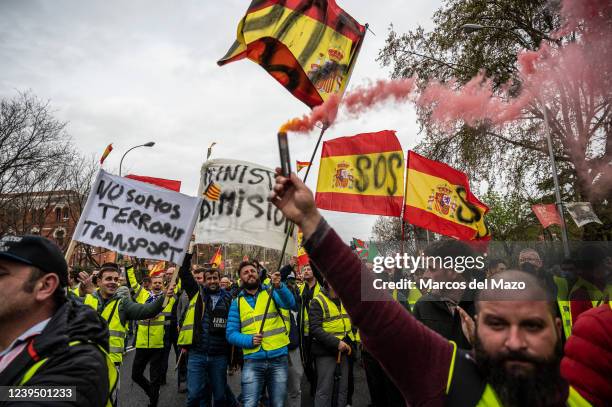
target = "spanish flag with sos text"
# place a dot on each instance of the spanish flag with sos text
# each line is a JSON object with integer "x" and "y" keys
{"x": 438, "y": 198}
{"x": 362, "y": 174}
{"x": 309, "y": 47}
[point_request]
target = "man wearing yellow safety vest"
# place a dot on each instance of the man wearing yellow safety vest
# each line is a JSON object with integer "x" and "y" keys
{"x": 330, "y": 328}
{"x": 517, "y": 342}
{"x": 117, "y": 310}
{"x": 265, "y": 350}
{"x": 150, "y": 335}
{"x": 47, "y": 339}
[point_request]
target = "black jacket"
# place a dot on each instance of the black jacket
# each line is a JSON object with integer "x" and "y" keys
{"x": 208, "y": 330}
{"x": 323, "y": 343}
{"x": 83, "y": 366}
{"x": 436, "y": 315}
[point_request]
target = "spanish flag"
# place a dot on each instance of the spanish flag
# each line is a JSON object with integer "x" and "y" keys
{"x": 308, "y": 46}
{"x": 217, "y": 259}
{"x": 362, "y": 174}
{"x": 158, "y": 268}
{"x": 438, "y": 198}
{"x": 302, "y": 164}
{"x": 106, "y": 152}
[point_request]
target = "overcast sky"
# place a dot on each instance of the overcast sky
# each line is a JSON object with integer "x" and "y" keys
{"x": 129, "y": 72}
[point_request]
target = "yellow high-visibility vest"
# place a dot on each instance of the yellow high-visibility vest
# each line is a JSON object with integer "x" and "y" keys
{"x": 186, "y": 333}
{"x": 116, "y": 329}
{"x": 335, "y": 320}
{"x": 275, "y": 333}
{"x": 150, "y": 334}
{"x": 564, "y": 304}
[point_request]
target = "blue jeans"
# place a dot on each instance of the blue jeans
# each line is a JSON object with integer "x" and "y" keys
{"x": 268, "y": 373}
{"x": 206, "y": 372}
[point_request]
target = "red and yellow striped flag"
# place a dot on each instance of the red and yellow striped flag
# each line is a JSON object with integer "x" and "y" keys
{"x": 213, "y": 191}
{"x": 362, "y": 174}
{"x": 106, "y": 152}
{"x": 217, "y": 259}
{"x": 302, "y": 164}
{"x": 309, "y": 47}
{"x": 438, "y": 198}
{"x": 158, "y": 268}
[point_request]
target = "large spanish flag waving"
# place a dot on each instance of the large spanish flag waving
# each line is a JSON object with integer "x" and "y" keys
{"x": 438, "y": 198}
{"x": 362, "y": 174}
{"x": 308, "y": 46}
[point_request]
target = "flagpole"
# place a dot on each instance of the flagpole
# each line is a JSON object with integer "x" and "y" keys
{"x": 314, "y": 152}
{"x": 553, "y": 166}
{"x": 402, "y": 213}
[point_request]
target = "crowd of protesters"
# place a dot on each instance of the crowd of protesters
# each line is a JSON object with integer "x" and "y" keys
{"x": 547, "y": 345}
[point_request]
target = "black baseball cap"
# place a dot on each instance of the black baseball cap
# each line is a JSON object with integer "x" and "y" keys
{"x": 35, "y": 251}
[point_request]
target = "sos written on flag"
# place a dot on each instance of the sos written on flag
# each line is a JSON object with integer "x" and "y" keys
{"x": 438, "y": 198}
{"x": 362, "y": 174}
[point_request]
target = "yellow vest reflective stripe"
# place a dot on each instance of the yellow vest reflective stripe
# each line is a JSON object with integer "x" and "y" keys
{"x": 116, "y": 330}
{"x": 306, "y": 323}
{"x": 74, "y": 290}
{"x": 150, "y": 333}
{"x": 596, "y": 296}
{"x": 335, "y": 321}
{"x": 564, "y": 304}
{"x": 490, "y": 399}
{"x": 110, "y": 365}
{"x": 186, "y": 334}
{"x": 275, "y": 334}
{"x": 413, "y": 296}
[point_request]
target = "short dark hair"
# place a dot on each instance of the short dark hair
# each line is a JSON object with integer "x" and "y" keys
{"x": 59, "y": 295}
{"x": 495, "y": 262}
{"x": 146, "y": 279}
{"x": 107, "y": 270}
{"x": 212, "y": 271}
{"x": 451, "y": 248}
{"x": 246, "y": 263}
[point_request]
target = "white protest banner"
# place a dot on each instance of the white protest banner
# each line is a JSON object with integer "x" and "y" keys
{"x": 242, "y": 213}
{"x": 137, "y": 219}
{"x": 582, "y": 213}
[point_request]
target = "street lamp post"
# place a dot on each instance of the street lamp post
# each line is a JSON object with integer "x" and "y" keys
{"x": 469, "y": 28}
{"x": 149, "y": 144}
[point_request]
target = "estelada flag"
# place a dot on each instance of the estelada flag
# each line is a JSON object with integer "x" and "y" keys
{"x": 362, "y": 174}
{"x": 170, "y": 184}
{"x": 309, "y": 47}
{"x": 106, "y": 152}
{"x": 547, "y": 214}
{"x": 217, "y": 259}
{"x": 158, "y": 268}
{"x": 438, "y": 198}
{"x": 302, "y": 164}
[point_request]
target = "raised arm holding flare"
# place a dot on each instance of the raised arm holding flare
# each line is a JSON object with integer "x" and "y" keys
{"x": 517, "y": 342}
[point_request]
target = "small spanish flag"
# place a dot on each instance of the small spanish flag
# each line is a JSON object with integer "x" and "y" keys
{"x": 213, "y": 191}
{"x": 438, "y": 198}
{"x": 302, "y": 164}
{"x": 158, "y": 268}
{"x": 106, "y": 152}
{"x": 217, "y": 259}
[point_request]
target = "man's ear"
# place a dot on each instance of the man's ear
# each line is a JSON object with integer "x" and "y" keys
{"x": 46, "y": 286}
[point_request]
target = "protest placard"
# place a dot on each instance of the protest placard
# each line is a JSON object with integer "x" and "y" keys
{"x": 137, "y": 219}
{"x": 240, "y": 212}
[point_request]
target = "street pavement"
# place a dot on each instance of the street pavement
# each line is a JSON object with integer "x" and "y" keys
{"x": 130, "y": 394}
